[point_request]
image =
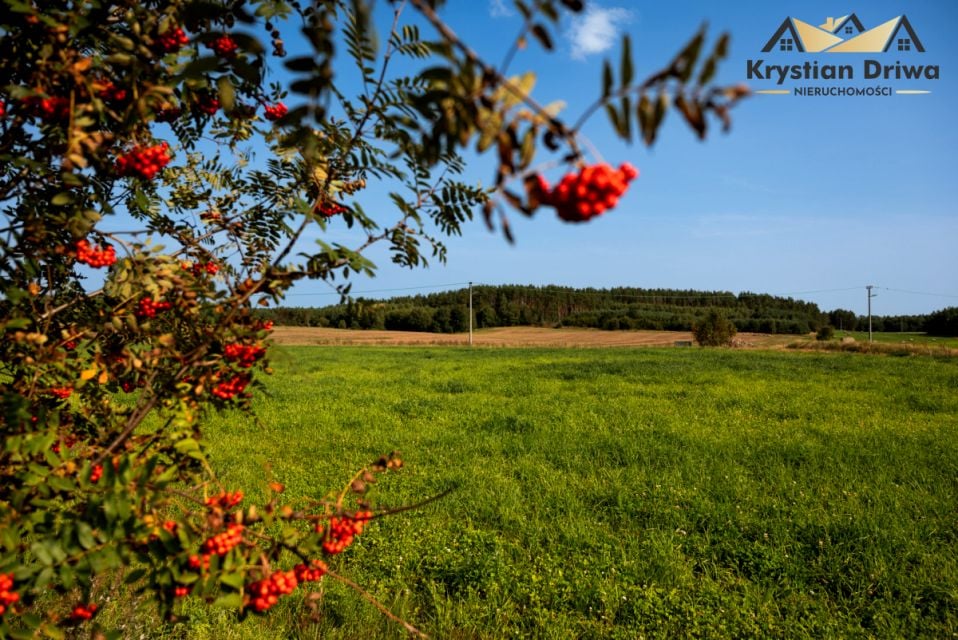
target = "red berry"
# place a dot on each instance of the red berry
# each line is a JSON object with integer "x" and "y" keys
{"x": 275, "y": 112}
{"x": 225, "y": 500}
{"x": 208, "y": 104}
{"x": 595, "y": 189}
{"x": 168, "y": 114}
{"x": 148, "y": 308}
{"x": 83, "y": 612}
{"x": 171, "y": 40}
{"x": 101, "y": 256}
{"x": 144, "y": 162}
{"x": 224, "y": 46}
{"x": 223, "y": 543}
{"x": 245, "y": 355}
{"x": 8, "y": 596}
{"x": 263, "y": 594}
{"x": 61, "y": 392}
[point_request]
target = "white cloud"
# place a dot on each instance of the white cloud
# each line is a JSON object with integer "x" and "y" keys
{"x": 596, "y": 30}
{"x": 498, "y": 9}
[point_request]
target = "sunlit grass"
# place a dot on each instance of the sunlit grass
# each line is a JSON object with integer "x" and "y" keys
{"x": 618, "y": 493}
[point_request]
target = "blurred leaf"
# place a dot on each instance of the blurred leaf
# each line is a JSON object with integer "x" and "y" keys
{"x": 234, "y": 580}
{"x": 692, "y": 114}
{"x": 684, "y": 63}
{"x": 528, "y": 149}
{"x": 542, "y": 35}
{"x": 229, "y": 601}
{"x": 607, "y": 79}
{"x": 625, "y": 68}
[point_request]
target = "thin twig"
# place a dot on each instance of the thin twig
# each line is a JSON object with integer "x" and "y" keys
{"x": 376, "y": 603}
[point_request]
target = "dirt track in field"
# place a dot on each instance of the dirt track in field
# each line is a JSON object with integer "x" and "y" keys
{"x": 511, "y": 337}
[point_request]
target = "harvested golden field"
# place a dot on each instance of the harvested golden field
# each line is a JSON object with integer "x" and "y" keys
{"x": 512, "y": 337}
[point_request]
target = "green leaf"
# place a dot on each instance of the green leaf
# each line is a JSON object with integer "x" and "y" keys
{"x": 227, "y": 94}
{"x": 684, "y": 63}
{"x": 607, "y": 79}
{"x": 17, "y": 323}
{"x": 234, "y": 580}
{"x": 301, "y": 64}
{"x": 626, "y": 66}
{"x": 85, "y": 535}
{"x": 134, "y": 576}
{"x": 542, "y": 35}
{"x": 614, "y": 118}
{"x": 626, "y": 131}
{"x": 62, "y": 198}
{"x": 229, "y": 601}
{"x": 200, "y": 67}
{"x": 528, "y": 149}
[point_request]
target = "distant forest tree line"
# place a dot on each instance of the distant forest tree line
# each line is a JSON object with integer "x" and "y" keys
{"x": 609, "y": 309}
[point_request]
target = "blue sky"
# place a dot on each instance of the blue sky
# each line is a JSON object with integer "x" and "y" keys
{"x": 811, "y": 197}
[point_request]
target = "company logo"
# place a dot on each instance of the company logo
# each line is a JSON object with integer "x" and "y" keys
{"x": 845, "y": 35}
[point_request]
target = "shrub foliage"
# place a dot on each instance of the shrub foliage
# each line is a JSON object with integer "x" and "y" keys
{"x": 714, "y": 330}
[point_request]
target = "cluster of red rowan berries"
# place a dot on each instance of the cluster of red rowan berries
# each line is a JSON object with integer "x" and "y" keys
{"x": 83, "y": 612}
{"x": 221, "y": 543}
{"x": 147, "y": 307}
{"x": 243, "y": 354}
{"x": 199, "y": 562}
{"x": 3, "y": 108}
{"x": 112, "y": 93}
{"x": 342, "y": 531}
{"x": 208, "y": 103}
{"x": 102, "y": 256}
{"x": 264, "y": 593}
{"x": 225, "y": 500}
{"x": 168, "y": 114}
{"x": 229, "y": 388}
{"x": 61, "y": 392}
{"x": 49, "y": 108}
{"x": 171, "y": 40}
{"x": 69, "y": 441}
{"x": 197, "y": 268}
{"x": 181, "y": 591}
{"x": 589, "y": 193}
{"x": 275, "y": 111}
{"x": 312, "y": 572}
{"x": 96, "y": 473}
{"x": 224, "y": 46}
{"x": 144, "y": 162}
{"x": 8, "y": 596}
{"x": 330, "y": 209}
{"x": 170, "y": 526}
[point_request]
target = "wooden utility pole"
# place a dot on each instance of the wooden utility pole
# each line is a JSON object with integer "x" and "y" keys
{"x": 470, "y": 313}
{"x": 870, "y": 296}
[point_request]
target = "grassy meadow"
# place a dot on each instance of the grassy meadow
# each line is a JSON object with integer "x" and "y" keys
{"x": 616, "y": 493}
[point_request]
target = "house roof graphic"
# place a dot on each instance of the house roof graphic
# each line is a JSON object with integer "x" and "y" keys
{"x": 835, "y": 25}
{"x": 828, "y": 37}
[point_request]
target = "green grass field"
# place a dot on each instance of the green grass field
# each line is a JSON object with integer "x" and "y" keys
{"x": 901, "y": 338}
{"x": 657, "y": 493}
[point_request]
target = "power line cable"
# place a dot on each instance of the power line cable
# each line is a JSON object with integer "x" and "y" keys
{"x": 920, "y": 293}
{"x": 353, "y": 293}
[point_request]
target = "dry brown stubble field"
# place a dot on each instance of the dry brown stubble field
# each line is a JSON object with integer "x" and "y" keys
{"x": 512, "y": 337}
